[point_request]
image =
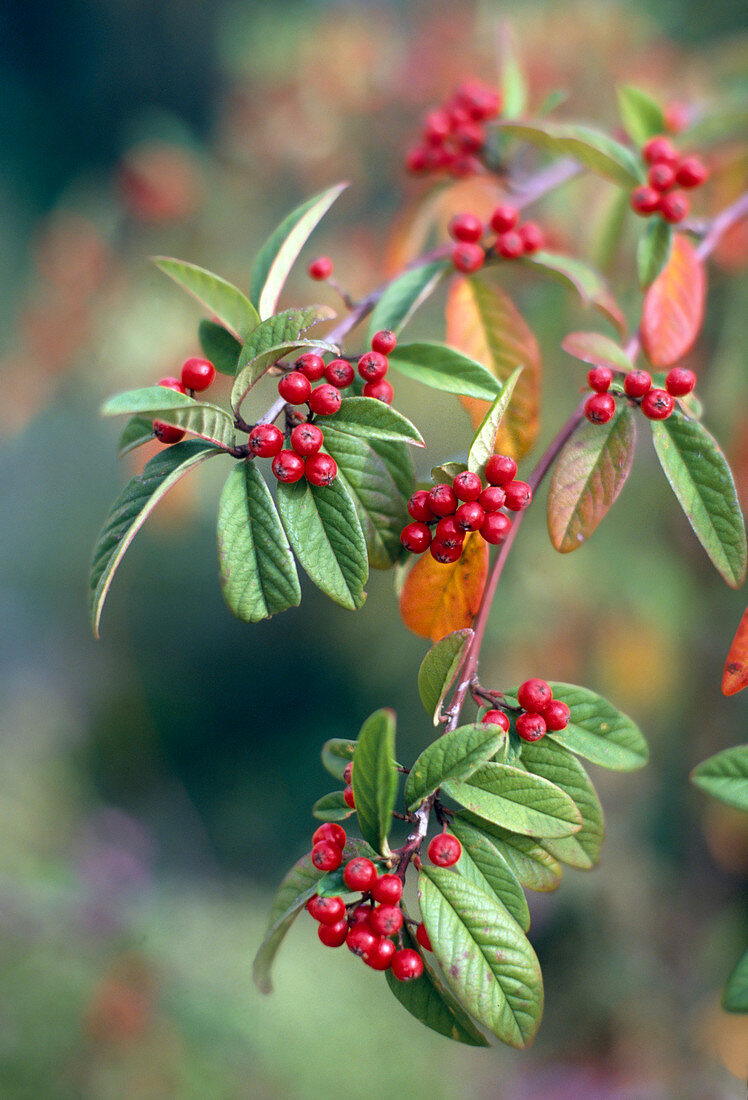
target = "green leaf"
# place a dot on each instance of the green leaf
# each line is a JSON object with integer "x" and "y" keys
{"x": 375, "y": 778}
{"x": 258, "y": 574}
{"x": 429, "y": 1000}
{"x": 136, "y": 432}
{"x": 447, "y": 472}
{"x": 513, "y": 83}
{"x": 278, "y": 255}
{"x": 453, "y": 756}
{"x": 531, "y": 863}
{"x": 486, "y": 958}
{"x": 594, "y": 150}
{"x": 331, "y": 807}
{"x": 588, "y": 476}
{"x": 380, "y": 506}
{"x": 397, "y": 458}
{"x": 553, "y": 100}
{"x": 653, "y": 250}
{"x": 130, "y": 511}
{"x": 148, "y": 399}
{"x": 336, "y": 753}
{"x": 332, "y": 884}
{"x": 701, "y": 480}
{"x": 735, "y": 995}
{"x": 641, "y": 116}
{"x": 219, "y": 346}
{"x": 439, "y": 669}
{"x": 552, "y": 762}
{"x": 591, "y": 287}
{"x": 601, "y": 351}
{"x": 445, "y": 369}
{"x": 517, "y": 800}
{"x": 484, "y": 441}
{"x": 273, "y": 339}
{"x": 371, "y": 419}
{"x": 404, "y": 295}
{"x": 209, "y": 422}
{"x": 482, "y": 864}
{"x": 725, "y": 776}
{"x": 326, "y": 536}
{"x": 224, "y": 300}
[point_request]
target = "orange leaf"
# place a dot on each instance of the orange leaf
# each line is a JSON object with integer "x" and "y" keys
{"x": 673, "y": 309}
{"x": 483, "y": 322}
{"x": 735, "y": 676}
{"x": 437, "y": 599}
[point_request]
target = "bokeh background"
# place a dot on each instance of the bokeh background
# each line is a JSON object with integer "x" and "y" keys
{"x": 155, "y": 785}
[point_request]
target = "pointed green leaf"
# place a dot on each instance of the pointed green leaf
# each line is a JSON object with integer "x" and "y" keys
{"x": 209, "y": 422}
{"x": 513, "y": 83}
{"x": 258, "y": 574}
{"x": 552, "y": 762}
{"x": 735, "y": 996}
{"x": 653, "y": 250}
{"x": 517, "y": 801}
{"x": 439, "y": 669}
{"x": 403, "y": 296}
{"x": 453, "y": 756}
{"x": 725, "y": 776}
{"x": 535, "y": 868}
{"x": 591, "y": 287}
{"x": 445, "y": 369}
{"x": 447, "y": 471}
{"x": 336, "y": 753}
{"x": 278, "y": 255}
{"x": 482, "y": 864}
{"x": 484, "y": 441}
{"x": 601, "y": 351}
{"x": 487, "y": 960}
{"x": 375, "y": 778}
{"x": 596, "y": 151}
{"x": 135, "y": 433}
{"x": 701, "y": 480}
{"x": 219, "y": 346}
{"x": 148, "y": 399}
{"x": 130, "y": 511}
{"x": 331, "y": 807}
{"x": 372, "y": 419}
{"x": 641, "y": 116}
{"x": 326, "y": 536}
{"x": 224, "y": 300}
{"x": 397, "y": 457}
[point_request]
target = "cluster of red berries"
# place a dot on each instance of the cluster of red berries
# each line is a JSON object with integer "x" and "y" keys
{"x": 196, "y": 375}
{"x": 540, "y": 712}
{"x": 513, "y": 240}
{"x": 464, "y": 506}
{"x": 655, "y": 403}
{"x": 454, "y": 134}
{"x": 667, "y": 172}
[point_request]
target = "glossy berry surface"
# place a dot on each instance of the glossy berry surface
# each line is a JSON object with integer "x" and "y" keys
{"x": 556, "y": 715}
{"x": 372, "y": 366}
{"x": 465, "y": 227}
{"x": 530, "y": 727}
{"x": 333, "y": 935}
{"x": 492, "y": 498}
{"x": 467, "y": 486}
{"x": 360, "y": 874}
{"x": 331, "y": 832}
{"x": 679, "y": 381}
{"x": 386, "y": 920}
{"x": 380, "y": 391}
{"x": 692, "y": 172}
{"x": 361, "y": 940}
{"x": 348, "y": 772}
{"x": 321, "y": 268}
{"x": 496, "y": 718}
{"x": 518, "y": 495}
{"x": 295, "y": 388}
{"x": 171, "y": 383}
{"x": 504, "y": 218}
{"x": 534, "y": 695}
{"x": 637, "y": 383}
{"x": 360, "y": 913}
{"x": 674, "y": 207}
{"x": 419, "y": 507}
{"x": 416, "y": 537}
{"x": 443, "y": 500}
{"x": 197, "y": 374}
{"x": 387, "y": 890}
{"x": 325, "y": 400}
{"x": 288, "y": 467}
{"x": 467, "y": 257}
{"x": 306, "y": 439}
{"x": 167, "y": 433}
{"x": 644, "y": 200}
{"x": 500, "y": 469}
{"x": 510, "y": 246}
{"x": 661, "y": 177}
{"x": 445, "y": 555}
{"x": 384, "y": 341}
{"x": 657, "y": 404}
{"x": 600, "y": 408}
{"x": 327, "y": 910}
{"x": 381, "y": 955}
{"x": 340, "y": 373}
{"x": 599, "y": 379}
{"x": 495, "y": 528}
{"x": 659, "y": 150}
{"x": 311, "y": 366}
{"x": 470, "y": 516}
{"x": 422, "y": 937}
{"x": 326, "y": 856}
{"x": 531, "y": 236}
{"x": 448, "y": 532}
{"x": 444, "y": 850}
{"x": 320, "y": 469}
{"x": 407, "y": 965}
{"x": 265, "y": 440}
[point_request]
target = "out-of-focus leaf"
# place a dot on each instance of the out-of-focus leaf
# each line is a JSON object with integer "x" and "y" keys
{"x": 641, "y": 116}
{"x": 437, "y": 599}
{"x": 135, "y": 433}
{"x": 374, "y": 778}
{"x": 443, "y": 368}
{"x": 371, "y": 419}
{"x": 336, "y": 753}
{"x": 735, "y": 675}
{"x": 593, "y": 347}
{"x": 517, "y": 800}
{"x": 404, "y": 295}
{"x": 331, "y": 807}
{"x": 453, "y": 756}
{"x": 591, "y": 287}
{"x": 673, "y": 309}
{"x": 272, "y": 340}
{"x": 224, "y": 300}
{"x": 484, "y": 442}
{"x": 219, "y": 346}
{"x": 439, "y": 669}
{"x": 596, "y": 151}
{"x": 653, "y": 250}
{"x": 725, "y": 776}
{"x": 735, "y": 996}
{"x": 513, "y": 83}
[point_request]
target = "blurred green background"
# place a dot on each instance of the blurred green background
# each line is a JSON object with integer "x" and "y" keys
{"x": 155, "y": 786}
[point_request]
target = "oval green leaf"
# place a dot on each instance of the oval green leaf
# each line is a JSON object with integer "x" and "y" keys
{"x": 375, "y": 778}
{"x": 135, "y": 433}
{"x": 483, "y": 864}
{"x": 403, "y": 296}
{"x": 553, "y": 762}
{"x": 725, "y": 776}
{"x": 331, "y": 807}
{"x": 591, "y": 287}
{"x": 453, "y": 756}
{"x": 221, "y": 298}
{"x": 534, "y": 867}
{"x": 443, "y": 368}
{"x": 517, "y": 800}
{"x": 372, "y": 419}
{"x": 336, "y": 753}
{"x": 653, "y": 250}
{"x": 596, "y": 151}
{"x": 219, "y": 346}
{"x": 484, "y": 441}
{"x": 593, "y": 347}
{"x": 439, "y": 669}
{"x": 641, "y": 116}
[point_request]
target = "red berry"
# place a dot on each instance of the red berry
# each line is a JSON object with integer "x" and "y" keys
{"x": 333, "y": 935}
{"x": 381, "y": 955}
{"x": 470, "y": 137}
{"x": 326, "y": 856}
{"x": 321, "y": 268}
{"x": 467, "y": 486}
{"x": 359, "y": 874}
{"x": 495, "y": 528}
{"x": 288, "y": 467}
{"x": 306, "y": 439}
{"x": 361, "y": 940}
{"x": 504, "y": 218}
{"x": 531, "y": 236}
{"x": 496, "y": 718}
{"x": 492, "y": 499}
{"x": 423, "y": 937}
{"x": 530, "y": 727}
{"x": 386, "y": 920}
{"x": 372, "y": 366}
{"x": 677, "y": 117}
{"x": 340, "y": 373}
{"x": 469, "y": 516}
{"x": 327, "y": 910}
{"x": 171, "y": 383}
{"x": 325, "y": 400}
{"x": 348, "y": 797}
{"x": 466, "y": 227}
{"x": 467, "y": 257}
{"x": 311, "y": 366}
{"x": 599, "y": 379}
{"x": 360, "y": 914}
{"x": 692, "y": 172}
{"x": 556, "y": 715}
{"x": 419, "y": 507}
{"x": 518, "y": 495}
{"x": 674, "y": 207}
{"x": 657, "y": 404}
{"x": 534, "y": 695}
{"x": 443, "y": 500}
{"x": 295, "y": 388}
{"x": 448, "y": 533}
{"x": 600, "y": 408}
{"x": 265, "y": 441}
{"x": 661, "y": 177}
{"x": 407, "y": 965}
{"x": 416, "y": 537}
{"x": 637, "y": 383}
{"x": 331, "y": 832}
{"x": 416, "y": 160}
{"x": 320, "y": 469}
{"x": 384, "y": 342}
{"x": 510, "y": 246}
{"x": 380, "y": 391}
{"x": 167, "y": 433}
{"x": 680, "y": 381}
{"x": 197, "y": 374}
{"x": 659, "y": 150}
{"x": 444, "y": 850}
{"x": 500, "y": 469}
{"x": 387, "y": 890}
{"x": 445, "y": 555}
{"x": 436, "y": 127}
{"x": 348, "y": 772}
{"x": 644, "y": 200}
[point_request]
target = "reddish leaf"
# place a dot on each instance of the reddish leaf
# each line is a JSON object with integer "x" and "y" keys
{"x": 735, "y": 676}
{"x": 438, "y": 599}
{"x": 674, "y": 306}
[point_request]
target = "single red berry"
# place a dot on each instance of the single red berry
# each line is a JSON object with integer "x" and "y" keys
{"x": 637, "y": 383}
{"x": 492, "y": 499}
{"x": 600, "y": 408}
{"x": 325, "y": 400}
{"x": 444, "y": 850}
{"x": 320, "y": 469}
{"x": 644, "y": 200}
{"x": 416, "y": 537}
{"x": 333, "y": 935}
{"x": 311, "y": 366}
{"x": 381, "y": 955}
{"x": 679, "y": 381}
{"x": 466, "y": 227}
{"x": 340, "y": 373}
{"x": 265, "y": 440}
{"x": 467, "y": 486}
{"x": 448, "y": 533}
{"x": 197, "y": 374}
{"x": 518, "y": 495}
{"x": 500, "y": 469}
{"x": 445, "y": 555}
{"x": 532, "y": 237}
{"x": 691, "y": 172}
{"x": 306, "y": 439}
{"x": 416, "y": 160}
{"x": 469, "y": 516}
{"x": 288, "y": 467}
{"x": 534, "y": 695}
{"x": 407, "y": 965}
{"x": 360, "y": 915}
{"x": 657, "y": 404}
{"x": 348, "y": 772}
{"x": 359, "y": 874}
{"x": 556, "y": 715}
{"x": 348, "y": 797}
{"x": 496, "y": 718}
{"x": 331, "y": 832}
{"x": 504, "y": 218}
{"x": 380, "y": 391}
{"x": 530, "y": 727}
{"x": 467, "y": 257}
{"x": 326, "y": 856}
{"x": 419, "y": 507}
{"x": 372, "y": 366}
{"x": 674, "y": 207}
{"x": 361, "y": 940}
{"x": 295, "y": 387}
{"x": 167, "y": 433}
{"x": 327, "y": 910}
{"x": 321, "y": 268}
{"x": 384, "y": 342}
{"x": 495, "y": 528}
{"x": 677, "y": 117}
{"x": 443, "y": 500}
{"x": 386, "y": 920}
{"x": 171, "y": 383}
{"x": 510, "y": 246}
{"x": 423, "y": 937}
{"x": 387, "y": 890}
{"x": 659, "y": 150}
{"x": 661, "y": 177}
{"x": 599, "y": 379}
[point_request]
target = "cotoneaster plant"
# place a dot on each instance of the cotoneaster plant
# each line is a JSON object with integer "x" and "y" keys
{"x": 499, "y": 800}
